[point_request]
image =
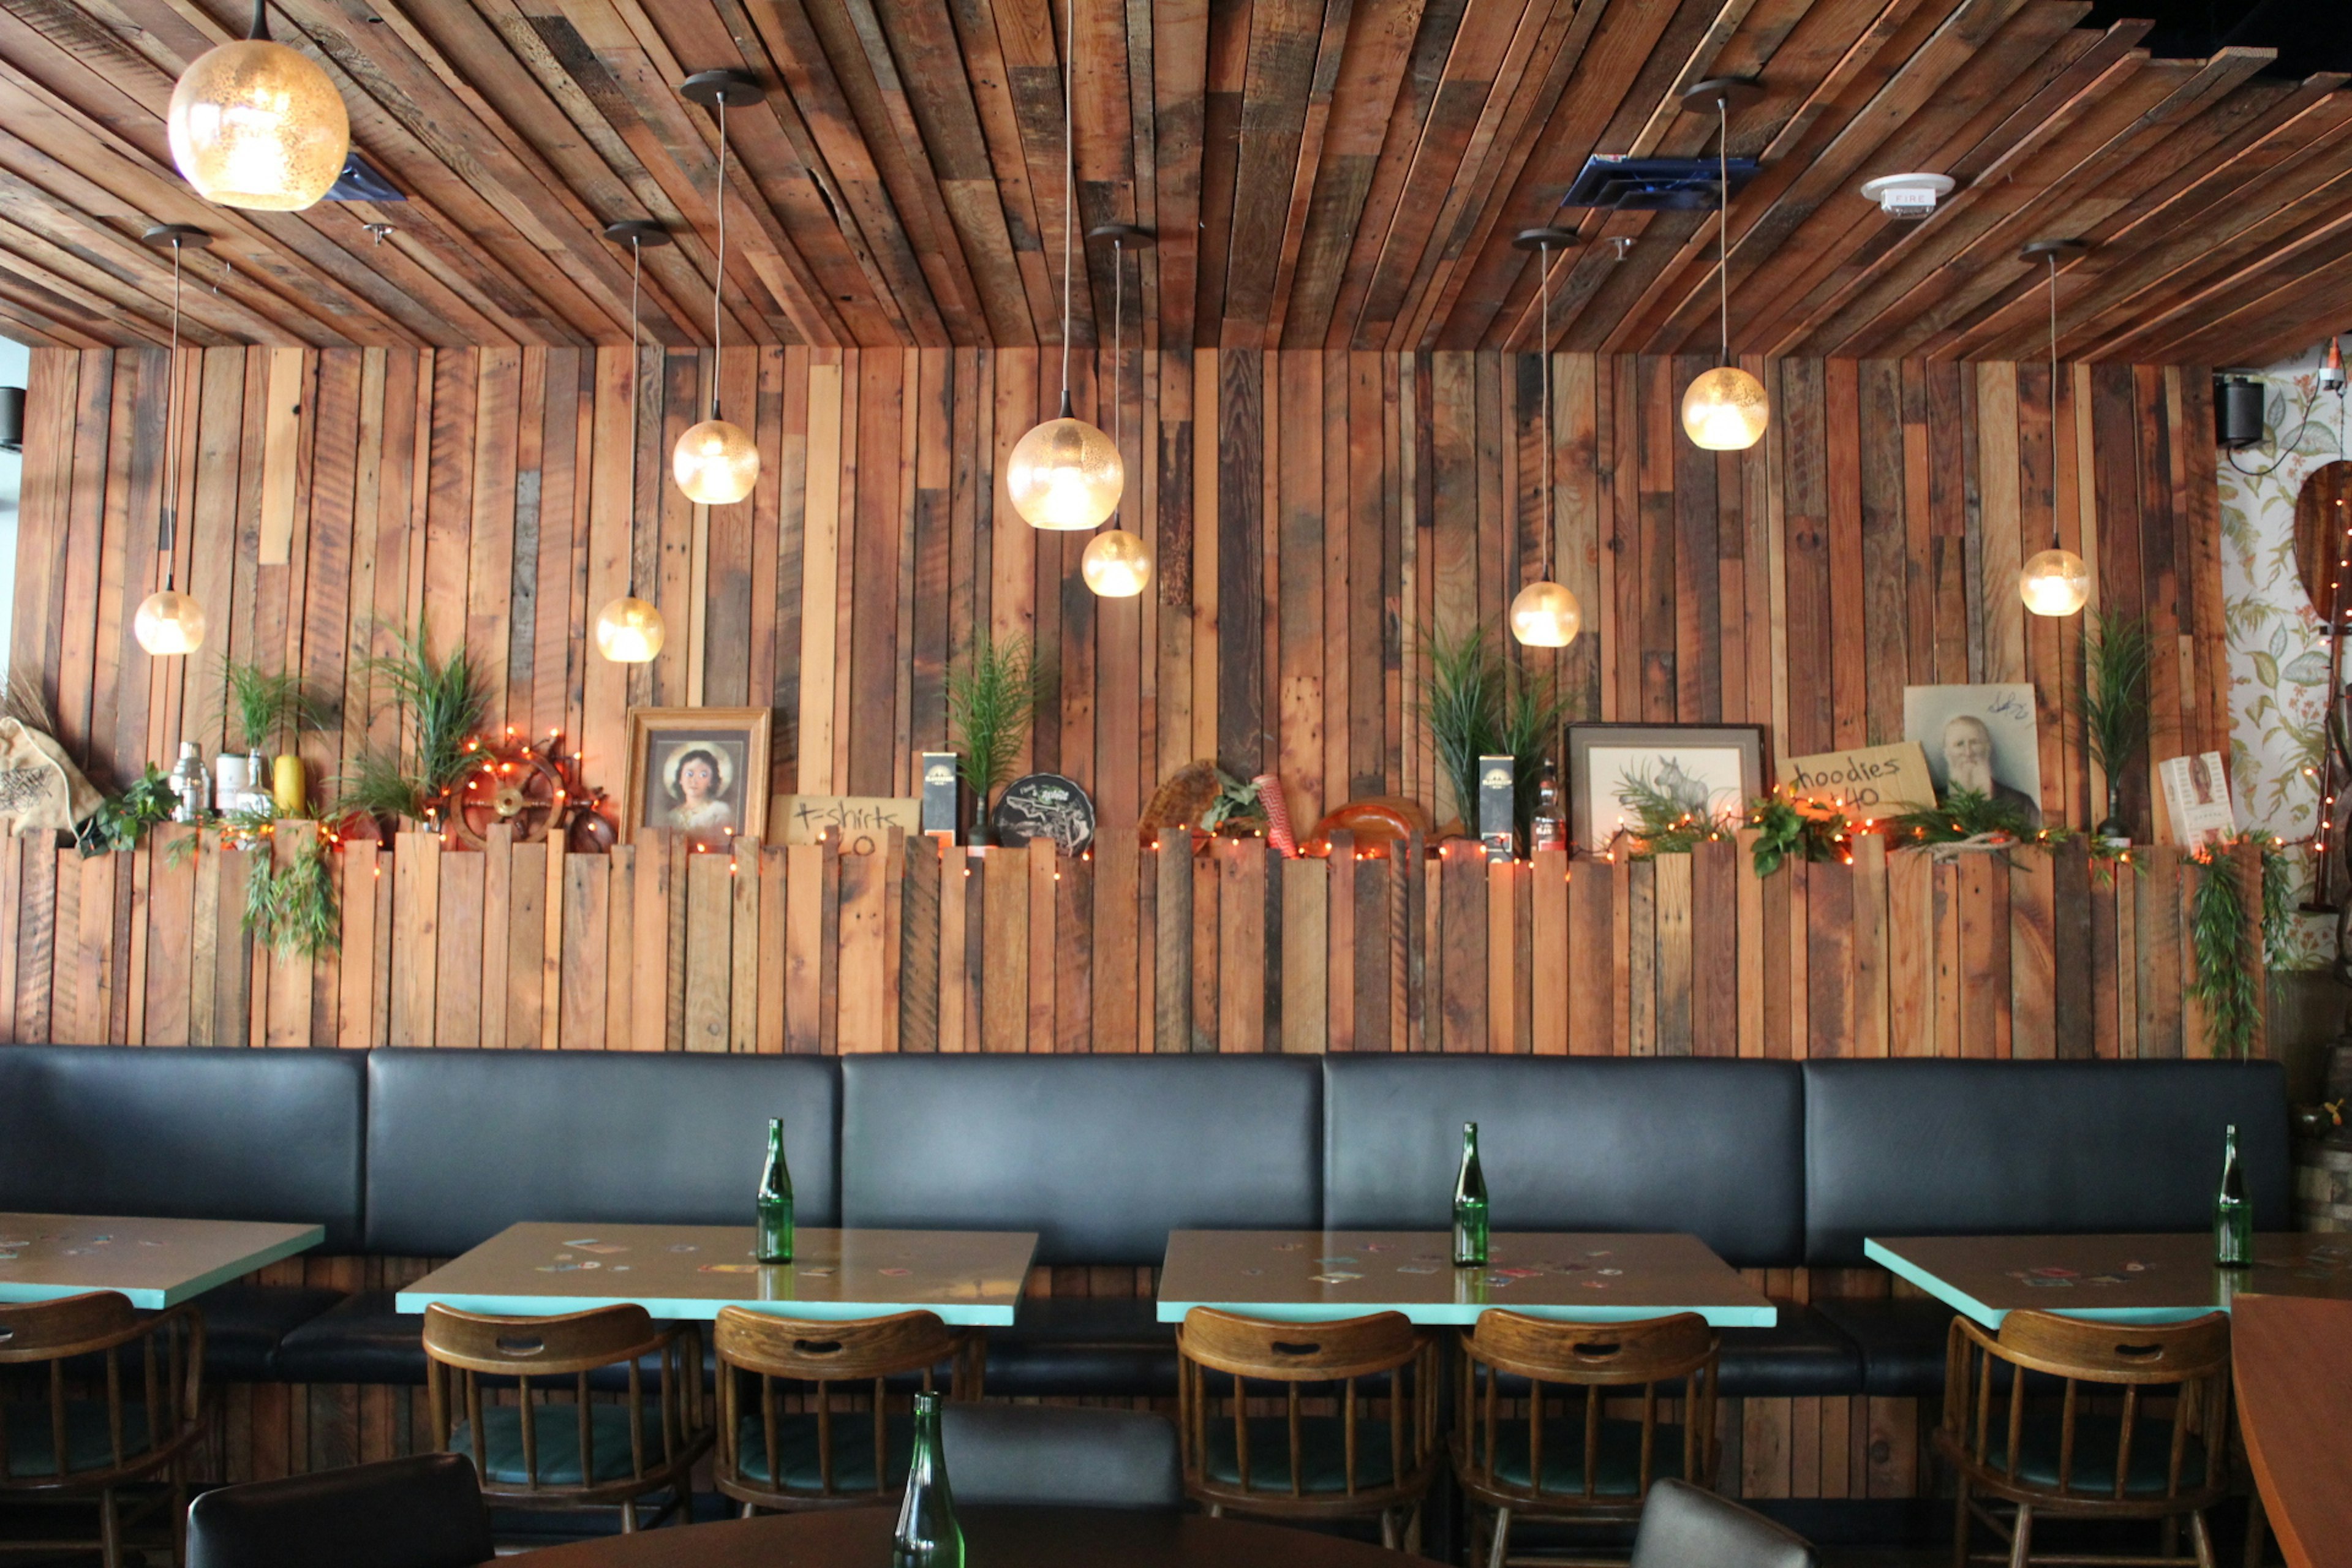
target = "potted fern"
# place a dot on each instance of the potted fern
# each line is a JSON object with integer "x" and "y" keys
{"x": 993, "y": 692}
{"x": 1476, "y": 704}
{"x": 266, "y": 709}
{"x": 444, "y": 704}
{"x": 2112, "y": 698}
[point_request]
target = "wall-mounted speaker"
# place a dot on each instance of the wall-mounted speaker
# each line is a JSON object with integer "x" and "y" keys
{"x": 12, "y": 418}
{"x": 2237, "y": 411}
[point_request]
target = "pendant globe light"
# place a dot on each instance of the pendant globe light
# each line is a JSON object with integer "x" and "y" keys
{"x": 1724, "y": 410}
{"x": 1066, "y": 474}
{"x": 255, "y": 124}
{"x": 1545, "y": 613}
{"x": 1117, "y": 565}
{"x": 716, "y": 463}
{"x": 2056, "y": 582}
{"x": 630, "y": 630}
{"x": 169, "y": 623}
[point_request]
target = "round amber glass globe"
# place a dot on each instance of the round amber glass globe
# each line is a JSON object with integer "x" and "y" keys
{"x": 629, "y": 631}
{"x": 1725, "y": 410}
{"x": 716, "y": 463}
{"x": 255, "y": 124}
{"x": 2054, "y": 582}
{"x": 1065, "y": 474}
{"x": 169, "y": 622}
{"x": 1546, "y": 615}
{"x": 1117, "y": 565}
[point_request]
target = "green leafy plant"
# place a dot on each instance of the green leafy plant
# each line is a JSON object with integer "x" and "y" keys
{"x": 1236, "y": 805}
{"x": 993, "y": 692}
{"x": 2218, "y": 938}
{"x": 1966, "y": 814}
{"x": 1476, "y": 704}
{"x": 1663, "y": 825}
{"x": 1785, "y": 829}
{"x": 293, "y": 910}
{"x": 443, "y": 704}
{"x": 265, "y": 709}
{"x": 2112, "y": 698}
{"x": 122, "y": 820}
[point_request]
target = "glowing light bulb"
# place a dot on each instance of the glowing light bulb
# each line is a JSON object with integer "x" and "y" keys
{"x": 168, "y": 621}
{"x": 1064, "y": 475}
{"x": 1546, "y": 615}
{"x": 2054, "y": 582}
{"x": 1725, "y": 410}
{"x": 253, "y": 124}
{"x": 715, "y": 463}
{"x": 1117, "y": 565}
{"x": 630, "y": 631}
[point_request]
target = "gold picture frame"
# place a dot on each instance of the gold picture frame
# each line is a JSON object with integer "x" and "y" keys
{"x": 713, "y": 798}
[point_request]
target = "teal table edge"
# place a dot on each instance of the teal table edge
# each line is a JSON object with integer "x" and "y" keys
{"x": 701, "y": 1310}
{"x": 1463, "y": 1314}
{"x": 1960, "y": 1300}
{"x": 186, "y": 1289}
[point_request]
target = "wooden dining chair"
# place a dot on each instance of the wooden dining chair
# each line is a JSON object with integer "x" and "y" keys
{"x": 817, "y": 1429}
{"x": 76, "y": 1422}
{"x": 554, "y": 1444}
{"x": 1358, "y": 1431}
{"x": 1535, "y": 1434}
{"x": 2138, "y": 1428}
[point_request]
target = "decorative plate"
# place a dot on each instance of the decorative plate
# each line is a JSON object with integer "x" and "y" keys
{"x": 1044, "y": 805}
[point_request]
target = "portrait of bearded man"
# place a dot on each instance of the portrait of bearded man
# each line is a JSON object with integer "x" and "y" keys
{"x": 1967, "y": 764}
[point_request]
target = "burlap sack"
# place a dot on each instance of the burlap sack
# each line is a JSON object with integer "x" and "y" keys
{"x": 40, "y": 789}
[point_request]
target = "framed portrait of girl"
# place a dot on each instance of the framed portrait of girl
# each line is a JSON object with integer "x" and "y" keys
{"x": 699, "y": 773}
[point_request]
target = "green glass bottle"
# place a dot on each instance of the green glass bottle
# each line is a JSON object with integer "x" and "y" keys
{"x": 2233, "y": 1217}
{"x": 928, "y": 1535}
{"x": 1470, "y": 1204}
{"x": 775, "y": 1238}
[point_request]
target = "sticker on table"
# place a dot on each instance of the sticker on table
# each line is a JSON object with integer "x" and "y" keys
{"x": 1333, "y": 1262}
{"x": 815, "y": 1273}
{"x": 684, "y": 1247}
{"x": 559, "y": 1268}
{"x": 1416, "y": 1269}
{"x": 728, "y": 1269}
{"x": 2105, "y": 1279}
{"x": 1613, "y": 1273}
{"x": 895, "y": 1273}
{"x": 2134, "y": 1268}
{"x": 1253, "y": 1273}
{"x": 593, "y": 1245}
{"x": 1337, "y": 1277}
{"x": 1290, "y": 1247}
{"x": 2055, "y": 1273}
{"x": 2044, "y": 1282}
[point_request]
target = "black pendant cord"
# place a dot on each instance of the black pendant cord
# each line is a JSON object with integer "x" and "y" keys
{"x": 167, "y": 530}
{"x": 1069, "y": 187}
{"x": 2054, "y": 541}
{"x": 259, "y": 32}
{"x": 718, "y": 279}
{"x": 636, "y": 381}
{"x": 1723, "y": 226}
{"x": 1118, "y": 344}
{"x": 1543, "y": 347}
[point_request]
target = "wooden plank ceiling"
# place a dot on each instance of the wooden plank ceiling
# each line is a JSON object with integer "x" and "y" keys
{"x": 1321, "y": 172}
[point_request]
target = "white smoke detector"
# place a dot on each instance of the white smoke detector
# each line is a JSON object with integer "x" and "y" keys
{"x": 1907, "y": 196}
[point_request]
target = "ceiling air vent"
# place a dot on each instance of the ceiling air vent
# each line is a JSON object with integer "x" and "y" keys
{"x": 361, "y": 181}
{"x": 1653, "y": 184}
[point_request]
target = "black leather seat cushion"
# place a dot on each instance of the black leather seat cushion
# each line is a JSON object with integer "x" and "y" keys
{"x": 1803, "y": 1354}
{"x": 184, "y": 1134}
{"x": 462, "y": 1145}
{"x": 1102, "y": 1156}
{"x": 1710, "y": 1147}
{"x": 360, "y": 1339}
{"x": 1902, "y": 1341}
{"x": 1976, "y": 1148}
{"x": 1683, "y": 1525}
{"x": 1032, "y": 1456}
{"x": 245, "y": 1324}
{"x": 1082, "y": 1346}
{"x": 425, "y": 1511}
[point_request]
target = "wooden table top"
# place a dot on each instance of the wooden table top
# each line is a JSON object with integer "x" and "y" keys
{"x": 2292, "y": 1363}
{"x": 1576, "y": 1276}
{"x": 2112, "y": 1278}
{"x": 157, "y": 1263}
{"x": 993, "y": 1537}
{"x": 689, "y": 1271}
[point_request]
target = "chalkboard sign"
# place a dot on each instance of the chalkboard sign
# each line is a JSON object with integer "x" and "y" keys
{"x": 1044, "y": 805}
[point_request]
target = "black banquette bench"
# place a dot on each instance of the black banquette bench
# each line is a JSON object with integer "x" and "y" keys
{"x": 412, "y": 1154}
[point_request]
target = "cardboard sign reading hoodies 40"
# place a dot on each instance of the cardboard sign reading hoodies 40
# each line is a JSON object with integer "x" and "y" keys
{"x": 40, "y": 789}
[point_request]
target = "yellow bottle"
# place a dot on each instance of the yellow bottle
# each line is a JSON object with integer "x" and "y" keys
{"x": 288, "y": 784}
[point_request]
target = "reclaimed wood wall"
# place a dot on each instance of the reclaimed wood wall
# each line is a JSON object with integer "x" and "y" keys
{"x": 1311, "y": 512}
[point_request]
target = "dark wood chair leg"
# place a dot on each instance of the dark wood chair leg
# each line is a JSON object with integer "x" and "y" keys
{"x": 2020, "y": 1538}
{"x": 1960, "y": 1526}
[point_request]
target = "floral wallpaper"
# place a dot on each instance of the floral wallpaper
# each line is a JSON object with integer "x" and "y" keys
{"x": 2278, "y": 654}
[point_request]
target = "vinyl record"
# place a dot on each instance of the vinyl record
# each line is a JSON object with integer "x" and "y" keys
{"x": 1044, "y": 805}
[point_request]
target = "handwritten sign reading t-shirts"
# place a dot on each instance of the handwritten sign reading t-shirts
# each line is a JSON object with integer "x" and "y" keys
{"x": 860, "y": 824}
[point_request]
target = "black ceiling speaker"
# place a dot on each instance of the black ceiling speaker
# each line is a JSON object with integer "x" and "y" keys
{"x": 2237, "y": 411}
{"x": 12, "y": 418}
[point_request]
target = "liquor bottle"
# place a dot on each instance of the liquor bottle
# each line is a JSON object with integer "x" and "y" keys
{"x": 1547, "y": 824}
{"x": 2233, "y": 1217}
{"x": 1470, "y": 1204}
{"x": 928, "y": 1535}
{"x": 775, "y": 1238}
